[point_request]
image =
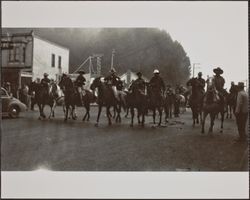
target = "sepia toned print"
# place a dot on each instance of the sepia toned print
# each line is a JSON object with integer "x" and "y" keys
{"x": 116, "y": 99}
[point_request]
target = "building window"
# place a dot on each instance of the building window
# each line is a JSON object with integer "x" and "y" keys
{"x": 59, "y": 62}
{"x": 53, "y": 60}
{"x": 16, "y": 54}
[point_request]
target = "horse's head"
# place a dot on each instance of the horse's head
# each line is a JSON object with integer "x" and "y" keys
{"x": 97, "y": 82}
{"x": 119, "y": 85}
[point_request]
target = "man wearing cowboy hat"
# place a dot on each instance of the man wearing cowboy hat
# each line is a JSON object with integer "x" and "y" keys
{"x": 45, "y": 82}
{"x": 241, "y": 112}
{"x": 80, "y": 82}
{"x": 139, "y": 83}
{"x": 157, "y": 82}
{"x": 113, "y": 79}
{"x": 218, "y": 82}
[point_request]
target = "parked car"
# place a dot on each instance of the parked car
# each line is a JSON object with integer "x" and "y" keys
{"x": 11, "y": 106}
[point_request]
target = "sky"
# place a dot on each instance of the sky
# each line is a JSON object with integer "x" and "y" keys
{"x": 214, "y": 34}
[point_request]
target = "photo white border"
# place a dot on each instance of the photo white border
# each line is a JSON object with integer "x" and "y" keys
{"x": 47, "y": 184}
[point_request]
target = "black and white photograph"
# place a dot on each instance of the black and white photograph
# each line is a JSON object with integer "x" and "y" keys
{"x": 140, "y": 87}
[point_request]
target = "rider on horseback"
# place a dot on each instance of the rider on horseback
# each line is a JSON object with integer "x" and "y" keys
{"x": 157, "y": 83}
{"x": 218, "y": 83}
{"x": 201, "y": 82}
{"x": 45, "y": 82}
{"x": 112, "y": 80}
{"x": 138, "y": 84}
{"x": 80, "y": 82}
{"x": 233, "y": 89}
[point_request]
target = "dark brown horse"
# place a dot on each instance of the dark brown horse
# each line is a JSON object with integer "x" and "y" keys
{"x": 70, "y": 96}
{"x": 137, "y": 99}
{"x": 212, "y": 105}
{"x": 231, "y": 103}
{"x": 195, "y": 100}
{"x": 155, "y": 101}
{"x": 42, "y": 98}
{"x": 105, "y": 98}
{"x": 169, "y": 104}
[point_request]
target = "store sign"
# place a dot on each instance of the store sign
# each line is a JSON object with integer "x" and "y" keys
{"x": 7, "y": 45}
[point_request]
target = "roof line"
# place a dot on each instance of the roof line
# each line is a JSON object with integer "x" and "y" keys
{"x": 36, "y": 36}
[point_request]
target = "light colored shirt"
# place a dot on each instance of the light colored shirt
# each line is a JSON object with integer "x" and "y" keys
{"x": 242, "y": 102}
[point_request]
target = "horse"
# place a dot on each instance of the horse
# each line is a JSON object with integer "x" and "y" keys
{"x": 137, "y": 99}
{"x": 87, "y": 97}
{"x": 121, "y": 98}
{"x": 105, "y": 97}
{"x": 70, "y": 96}
{"x": 42, "y": 98}
{"x": 231, "y": 103}
{"x": 195, "y": 100}
{"x": 155, "y": 101}
{"x": 181, "y": 103}
{"x": 168, "y": 104}
{"x": 212, "y": 106}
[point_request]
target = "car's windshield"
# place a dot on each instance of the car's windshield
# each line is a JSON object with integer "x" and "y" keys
{"x": 3, "y": 92}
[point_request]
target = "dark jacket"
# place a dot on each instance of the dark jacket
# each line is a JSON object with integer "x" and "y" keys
{"x": 80, "y": 81}
{"x": 157, "y": 82}
{"x": 112, "y": 78}
{"x": 45, "y": 82}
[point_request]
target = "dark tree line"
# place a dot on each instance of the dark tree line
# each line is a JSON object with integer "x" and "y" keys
{"x": 137, "y": 49}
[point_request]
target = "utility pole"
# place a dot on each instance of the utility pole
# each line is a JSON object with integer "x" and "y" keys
{"x": 194, "y": 67}
{"x": 112, "y": 58}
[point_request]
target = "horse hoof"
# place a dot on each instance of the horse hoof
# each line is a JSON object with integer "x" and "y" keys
{"x": 131, "y": 125}
{"x": 221, "y": 131}
{"x": 83, "y": 120}
{"x": 96, "y": 125}
{"x": 65, "y": 120}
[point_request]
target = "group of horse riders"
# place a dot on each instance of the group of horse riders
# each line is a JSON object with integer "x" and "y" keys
{"x": 156, "y": 82}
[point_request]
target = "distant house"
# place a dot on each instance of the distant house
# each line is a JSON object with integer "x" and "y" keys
{"x": 129, "y": 76}
{"x": 26, "y": 57}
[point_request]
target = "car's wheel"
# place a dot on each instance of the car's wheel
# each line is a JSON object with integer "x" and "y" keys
{"x": 14, "y": 111}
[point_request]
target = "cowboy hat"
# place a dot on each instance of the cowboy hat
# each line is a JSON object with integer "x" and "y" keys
{"x": 112, "y": 70}
{"x": 81, "y": 72}
{"x": 218, "y": 70}
{"x": 241, "y": 84}
{"x": 45, "y": 74}
{"x": 200, "y": 73}
{"x": 156, "y": 71}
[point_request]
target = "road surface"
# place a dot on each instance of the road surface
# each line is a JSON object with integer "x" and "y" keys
{"x": 31, "y": 144}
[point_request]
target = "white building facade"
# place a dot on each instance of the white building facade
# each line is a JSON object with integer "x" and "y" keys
{"x": 26, "y": 57}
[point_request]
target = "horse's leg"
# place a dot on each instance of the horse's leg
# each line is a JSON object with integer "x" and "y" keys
{"x": 98, "y": 115}
{"x": 222, "y": 121}
{"x": 132, "y": 111}
{"x": 143, "y": 117}
{"x": 138, "y": 115}
{"x": 203, "y": 121}
{"x": 66, "y": 113}
{"x": 73, "y": 112}
{"x": 230, "y": 110}
{"x": 40, "y": 110}
{"x": 86, "y": 112}
{"x": 52, "y": 108}
{"x": 193, "y": 116}
{"x": 212, "y": 118}
{"x": 170, "y": 110}
{"x": 127, "y": 110}
{"x": 109, "y": 114}
{"x": 160, "y": 113}
{"x": 154, "y": 110}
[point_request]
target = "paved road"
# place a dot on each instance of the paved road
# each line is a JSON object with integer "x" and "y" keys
{"x": 32, "y": 144}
